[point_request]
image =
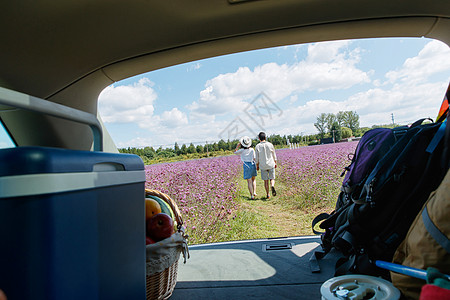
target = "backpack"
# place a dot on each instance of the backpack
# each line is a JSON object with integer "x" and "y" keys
{"x": 427, "y": 243}
{"x": 374, "y": 144}
{"x": 371, "y": 148}
{"x": 389, "y": 179}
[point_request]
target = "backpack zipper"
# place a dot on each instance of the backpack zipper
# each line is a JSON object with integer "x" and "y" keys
{"x": 369, "y": 193}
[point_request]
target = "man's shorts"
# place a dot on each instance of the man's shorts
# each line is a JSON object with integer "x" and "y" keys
{"x": 268, "y": 174}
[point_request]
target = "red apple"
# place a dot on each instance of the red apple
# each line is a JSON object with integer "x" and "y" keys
{"x": 148, "y": 240}
{"x": 159, "y": 227}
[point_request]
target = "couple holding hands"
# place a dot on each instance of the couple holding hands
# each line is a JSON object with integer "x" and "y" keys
{"x": 262, "y": 158}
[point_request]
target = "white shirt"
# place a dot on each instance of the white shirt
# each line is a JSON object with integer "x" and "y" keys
{"x": 247, "y": 155}
{"x": 265, "y": 155}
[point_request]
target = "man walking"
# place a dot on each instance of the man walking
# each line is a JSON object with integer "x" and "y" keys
{"x": 266, "y": 160}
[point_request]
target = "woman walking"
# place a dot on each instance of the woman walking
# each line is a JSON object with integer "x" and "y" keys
{"x": 245, "y": 150}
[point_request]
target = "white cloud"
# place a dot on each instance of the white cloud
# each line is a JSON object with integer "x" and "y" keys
{"x": 226, "y": 93}
{"x": 193, "y": 67}
{"x": 135, "y": 104}
{"x": 173, "y": 118}
{"x": 127, "y": 103}
{"x": 374, "y": 106}
{"x": 329, "y": 65}
{"x": 432, "y": 59}
{"x": 293, "y": 98}
{"x": 326, "y": 52}
{"x": 406, "y": 102}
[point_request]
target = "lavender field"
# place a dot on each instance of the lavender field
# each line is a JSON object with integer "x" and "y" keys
{"x": 313, "y": 174}
{"x": 204, "y": 191}
{"x": 209, "y": 192}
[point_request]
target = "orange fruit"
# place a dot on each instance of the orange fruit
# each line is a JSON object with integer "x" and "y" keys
{"x": 152, "y": 208}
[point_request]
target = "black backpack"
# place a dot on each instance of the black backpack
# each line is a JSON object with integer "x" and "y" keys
{"x": 374, "y": 212}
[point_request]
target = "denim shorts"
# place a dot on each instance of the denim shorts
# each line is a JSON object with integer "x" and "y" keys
{"x": 249, "y": 170}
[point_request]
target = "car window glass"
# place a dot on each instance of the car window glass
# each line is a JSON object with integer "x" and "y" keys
{"x": 5, "y": 139}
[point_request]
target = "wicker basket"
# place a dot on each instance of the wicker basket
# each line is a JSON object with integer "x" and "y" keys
{"x": 160, "y": 285}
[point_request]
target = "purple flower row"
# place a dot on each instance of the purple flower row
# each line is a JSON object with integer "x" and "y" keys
{"x": 204, "y": 191}
{"x": 313, "y": 173}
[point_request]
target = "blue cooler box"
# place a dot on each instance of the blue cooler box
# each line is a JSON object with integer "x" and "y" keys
{"x": 72, "y": 224}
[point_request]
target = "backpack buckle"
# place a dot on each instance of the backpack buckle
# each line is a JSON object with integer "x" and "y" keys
{"x": 369, "y": 194}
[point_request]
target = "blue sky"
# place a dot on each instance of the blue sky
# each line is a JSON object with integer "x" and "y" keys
{"x": 278, "y": 90}
{"x": 219, "y": 97}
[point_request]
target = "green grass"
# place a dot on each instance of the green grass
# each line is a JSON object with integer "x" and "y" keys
{"x": 278, "y": 216}
{"x": 183, "y": 157}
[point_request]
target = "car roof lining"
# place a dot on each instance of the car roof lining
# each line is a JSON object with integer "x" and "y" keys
{"x": 374, "y": 28}
{"x": 403, "y": 27}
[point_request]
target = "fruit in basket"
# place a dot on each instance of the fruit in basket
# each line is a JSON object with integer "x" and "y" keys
{"x": 148, "y": 240}
{"x": 152, "y": 208}
{"x": 165, "y": 208}
{"x": 159, "y": 227}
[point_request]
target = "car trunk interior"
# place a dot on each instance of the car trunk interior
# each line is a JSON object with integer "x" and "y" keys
{"x": 254, "y": 269}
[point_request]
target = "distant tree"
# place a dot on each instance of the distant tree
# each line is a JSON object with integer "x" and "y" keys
{"x": 336, "y": 132}
{"x": 276, "y": 139}
{"x": 177, "y": 149}
{"x": 166, "y": 153}
{"x": 229, "y": 145}
{"x": 346, "y": 132}
{"x": 222, "y": 145}
{"x": 289, "y": 138}
{"x": 183, "y": 149}
{"x": 200, "y": 149}
{"x": 351, "y": 120}
{"x": 385, "y": 126}
{"x": 321, "y": 123}
{"x": 331, "y": 121}
{"x": 361, "y": 131}
{"x": 191, "y": 149}
{"x": 149, "y": 152}
{"x": 340, "y": 117}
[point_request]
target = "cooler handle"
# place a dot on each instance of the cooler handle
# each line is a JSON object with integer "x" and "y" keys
{"x": 24, "y": 101}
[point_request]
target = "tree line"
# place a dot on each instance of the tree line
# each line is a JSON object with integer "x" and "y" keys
{"x": 341, "y": 125}
{"x": 222, "y": 147}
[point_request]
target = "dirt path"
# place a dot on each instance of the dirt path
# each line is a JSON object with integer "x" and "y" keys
{"x": 283, "y": 220}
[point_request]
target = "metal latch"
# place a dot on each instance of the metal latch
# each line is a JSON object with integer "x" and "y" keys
{"x": 272, "y": 247}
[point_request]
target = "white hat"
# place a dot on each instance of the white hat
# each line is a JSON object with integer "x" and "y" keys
{"x": 245, "y": 141}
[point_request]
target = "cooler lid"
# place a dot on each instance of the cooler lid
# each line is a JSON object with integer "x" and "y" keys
{"x": 38, "y": 160}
